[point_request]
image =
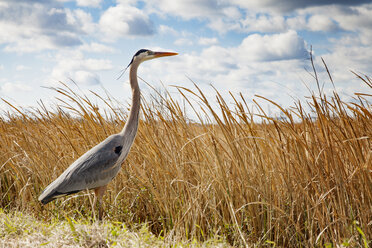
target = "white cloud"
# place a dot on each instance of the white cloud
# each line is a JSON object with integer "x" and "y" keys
{"x": 86, "y": 77}
{"x": 208, "y": 41}
{"x": 85, "y": 3}
{"x": 297, "y": 22}
{"x": 124, "y": 20}
{"x": 343, "y": 58}
{"x": 281, "y": 46}
{"x": 183, "y": 42}
{"x": 31, "y": 26}
{"x": 79, "y": 69}
{"x": 22, "y": 68}
{"x": 220, "y": 14}
{"x": 222, "y": 25}
{"x": 89, "y": 3}
{"x": 166, "y": 30}
{"x": 317, "y": 18}
{"x": 187, "y": 9}
{"x": 14, "y": 87}
{"x": 355, "y": 19}
{"x": 16, "y": 43}
{"x": 321, "y": 23}
{"x": 264, "y": 23}
{"x": 231, "y": 12}
{"x": 267, "y": 16}
{"x": 97, "y": 64}
{"x": 97, "y": 48}
{"x": 290, "y": 5}
{"x": 81, "y": 19}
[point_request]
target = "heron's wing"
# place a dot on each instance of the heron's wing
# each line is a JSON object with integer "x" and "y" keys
{"x": 95, "y": 168}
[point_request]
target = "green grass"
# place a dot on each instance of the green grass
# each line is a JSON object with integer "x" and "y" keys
{"x": 21, "y": 230}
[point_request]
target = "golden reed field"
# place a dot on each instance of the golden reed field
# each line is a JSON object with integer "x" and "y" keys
{"x": 301, "y": 181}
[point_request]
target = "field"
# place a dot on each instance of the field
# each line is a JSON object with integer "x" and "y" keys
{"x": 224, "y": 179}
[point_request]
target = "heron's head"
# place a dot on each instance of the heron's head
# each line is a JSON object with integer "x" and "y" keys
{"x": 144, "y": 54}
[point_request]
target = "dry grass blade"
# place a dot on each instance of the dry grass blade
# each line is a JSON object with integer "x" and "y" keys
{"x": 299, "y": 182}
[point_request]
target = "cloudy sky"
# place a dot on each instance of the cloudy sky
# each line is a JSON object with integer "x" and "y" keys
{"x": 254, "y": 47}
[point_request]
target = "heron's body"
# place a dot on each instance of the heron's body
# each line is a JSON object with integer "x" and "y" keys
{"x": 98, "y": 166}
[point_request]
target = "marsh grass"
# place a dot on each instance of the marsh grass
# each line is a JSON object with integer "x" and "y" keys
{"x": 302, "y": 181}
{"x": 22, "y": 230}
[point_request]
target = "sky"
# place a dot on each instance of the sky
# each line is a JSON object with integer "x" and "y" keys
{"x": 256, "y": 47}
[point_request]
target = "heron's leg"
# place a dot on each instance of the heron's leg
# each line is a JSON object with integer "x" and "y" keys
{"x": 94, "y": 205}
{"x": 99, "y": 192}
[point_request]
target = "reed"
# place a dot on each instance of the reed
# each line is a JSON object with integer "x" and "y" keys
{"x": 305, "y": 180}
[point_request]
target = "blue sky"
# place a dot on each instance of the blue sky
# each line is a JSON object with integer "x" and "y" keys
{"x": 254, "y": 47}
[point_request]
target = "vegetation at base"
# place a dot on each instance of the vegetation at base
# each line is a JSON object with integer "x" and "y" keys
{"x": 301, "y": 181}
{"x": 22, "y": 230}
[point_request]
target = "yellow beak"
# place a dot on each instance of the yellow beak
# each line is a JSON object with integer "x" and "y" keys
{"x": 163, "y": 54}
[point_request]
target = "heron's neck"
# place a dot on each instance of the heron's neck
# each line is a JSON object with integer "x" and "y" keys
{"x": 130, "y": 128}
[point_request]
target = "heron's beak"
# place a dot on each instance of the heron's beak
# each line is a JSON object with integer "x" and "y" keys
{"x": 163, "y": 54}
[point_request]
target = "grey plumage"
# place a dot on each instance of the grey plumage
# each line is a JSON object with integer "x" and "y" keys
{"x": 98, "y": 166}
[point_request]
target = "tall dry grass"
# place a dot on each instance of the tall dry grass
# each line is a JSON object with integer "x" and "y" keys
{"x": 301, "y": 181}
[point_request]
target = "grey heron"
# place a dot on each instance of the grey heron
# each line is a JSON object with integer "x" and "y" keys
{"x": 98, "y": 166}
